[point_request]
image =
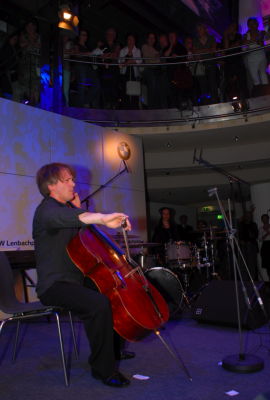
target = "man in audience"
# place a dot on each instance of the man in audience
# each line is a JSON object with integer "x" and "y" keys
{"x": 205, "y": 46}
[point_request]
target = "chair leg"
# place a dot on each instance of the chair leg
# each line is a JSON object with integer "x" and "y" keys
{"x": 73, "y": 336}
{"x": 62, "y": 348}
{"x": 16, "y": 341}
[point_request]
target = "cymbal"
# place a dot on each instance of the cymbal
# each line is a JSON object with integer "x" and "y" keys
{"x": 143, "y": 244}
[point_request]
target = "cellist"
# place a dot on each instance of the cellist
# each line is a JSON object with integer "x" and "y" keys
{"x": 60, "y": 283}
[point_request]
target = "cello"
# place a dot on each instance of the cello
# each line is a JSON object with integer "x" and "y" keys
{"x": 137, "y": 306}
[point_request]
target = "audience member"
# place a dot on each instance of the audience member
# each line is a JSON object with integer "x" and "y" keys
{"x": 205, "y": 45}
{"x": 68, "y": 49}
{"x": 151, "y": 74}
{"x": 110, "y": 73}
{"x": 29, "y": 64}
{"x": 179, "y": 75}
{"x": 87, "y": 80}
{"x": 264, "y": 237}
{"x": 234, "y": 70}
{"x": 164, "y": 86}
{"x": 129, "y": 57}
{"x": 256, "y": 61}
{"x": 9, "y": 56}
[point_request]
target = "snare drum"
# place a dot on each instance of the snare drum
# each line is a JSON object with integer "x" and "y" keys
{"x": 179, "y": 255}
{"x": 168, "y": 285}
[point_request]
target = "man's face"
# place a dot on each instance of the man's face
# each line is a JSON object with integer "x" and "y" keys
{"x": 63, "y": 189}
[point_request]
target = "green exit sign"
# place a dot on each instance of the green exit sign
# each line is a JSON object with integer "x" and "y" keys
{"x": 219, "y": 216}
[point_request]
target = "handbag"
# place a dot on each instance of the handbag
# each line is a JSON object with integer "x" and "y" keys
{"x": 133, "y": 88}
{"x": 199, "y": 69}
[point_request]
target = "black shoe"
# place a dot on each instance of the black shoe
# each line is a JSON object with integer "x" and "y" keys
{"x": 116, "y": 379}
{"x": 126, "y": 355}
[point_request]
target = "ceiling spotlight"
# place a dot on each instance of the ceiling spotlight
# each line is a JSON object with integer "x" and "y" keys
{"x": 169, "y": 145}
{"x": 67, "y": 19}
{"x": 236, "y": 139}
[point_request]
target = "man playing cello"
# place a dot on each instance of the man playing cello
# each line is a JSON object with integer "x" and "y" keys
{"x": 60, "y": 283}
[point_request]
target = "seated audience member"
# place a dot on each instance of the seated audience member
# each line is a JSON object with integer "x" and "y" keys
{"x": 255, "y": 61}
{"x": 184, "y": 230}
{"x": 150, "y": 74}
{"x": 206, "y": 44}
{"x": 9, "y": 56}
{"x": 110, "y": 74}
{"x": 234, "y": 70}
{"x": 179, "y": 75}
{"x": 29, "y": 64}
{"x": 129, "y": 57}
{"x": 264, "y": 237}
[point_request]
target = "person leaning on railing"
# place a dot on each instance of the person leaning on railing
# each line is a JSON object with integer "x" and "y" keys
{"x": 129, "y": 57}
{"x": 150, "y": 74}
{"x": 255, "y": 61}
{"x": 205, "y": 43}
{"x": 234, "y": 69}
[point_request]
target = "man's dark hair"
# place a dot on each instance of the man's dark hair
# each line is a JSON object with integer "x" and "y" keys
{"x": 50, "y": 174}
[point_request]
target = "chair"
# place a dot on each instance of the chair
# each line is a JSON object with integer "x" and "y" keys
{"x": 9, "y": 304}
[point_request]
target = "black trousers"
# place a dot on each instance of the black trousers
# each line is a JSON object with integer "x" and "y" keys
{"x": 94, "y": 309}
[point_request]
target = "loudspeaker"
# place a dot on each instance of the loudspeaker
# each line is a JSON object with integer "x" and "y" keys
{"x": 217, "y": 304}
{"x": 263, "y": 396}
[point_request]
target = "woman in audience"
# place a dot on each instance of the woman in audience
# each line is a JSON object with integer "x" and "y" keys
{"x": 256, "y": 61}
{"x": 129, "y": 57}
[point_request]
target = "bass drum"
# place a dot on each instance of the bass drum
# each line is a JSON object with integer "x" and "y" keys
{"x": 168, "y": 285}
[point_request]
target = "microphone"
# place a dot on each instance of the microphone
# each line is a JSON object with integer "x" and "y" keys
{"x": 212, "y": 191}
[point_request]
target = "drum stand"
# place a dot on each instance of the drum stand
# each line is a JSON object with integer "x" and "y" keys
{"x": 185, "y": 288}
{"x": 212, "y": 249}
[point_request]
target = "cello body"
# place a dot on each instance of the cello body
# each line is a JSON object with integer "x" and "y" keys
{"x": 137, "y": 306}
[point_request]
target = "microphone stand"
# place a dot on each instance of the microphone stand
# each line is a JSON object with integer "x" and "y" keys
{"x": 241, "y": 362}
{"x": 101, "y": 187}
{"x": 231, "y": 179}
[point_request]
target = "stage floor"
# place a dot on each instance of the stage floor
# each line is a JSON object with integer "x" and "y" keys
{"x": 37, "y": 373}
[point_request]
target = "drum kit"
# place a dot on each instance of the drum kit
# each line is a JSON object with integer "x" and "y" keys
{"x": 184, "y": 263}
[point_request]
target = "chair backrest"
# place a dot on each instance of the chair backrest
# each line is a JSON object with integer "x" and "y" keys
{"x": 8, "y": 299}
